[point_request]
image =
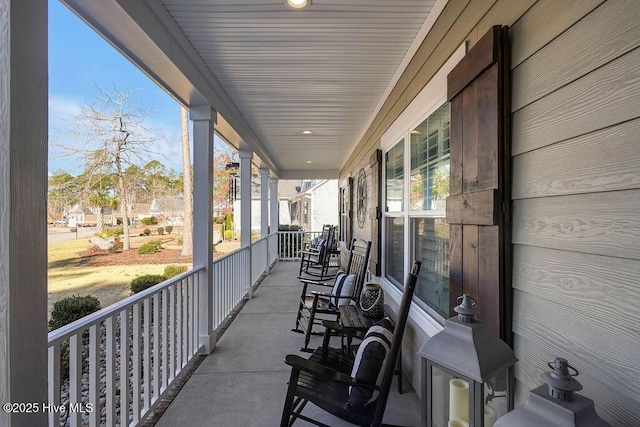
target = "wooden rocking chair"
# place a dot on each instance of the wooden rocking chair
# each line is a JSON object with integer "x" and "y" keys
{"x": 326, "y": 381}
{"x": 316, "y": 306}
{"x": 315, "y": 259}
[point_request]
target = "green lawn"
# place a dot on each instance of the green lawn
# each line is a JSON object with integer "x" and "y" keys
{"x": 67, "y": 275}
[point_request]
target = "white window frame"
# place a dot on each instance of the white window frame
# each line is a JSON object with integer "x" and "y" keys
{"x": 423, "y": 105}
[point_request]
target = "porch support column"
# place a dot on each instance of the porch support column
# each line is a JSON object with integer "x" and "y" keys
{"x": 274, "y": 215}
{"x": 23, "y": 208}
{"x": 245, "y": 209}
{"x": 264, "y": 214}
{"x": 264, "y": 202}
{"x": 204, "y": 119}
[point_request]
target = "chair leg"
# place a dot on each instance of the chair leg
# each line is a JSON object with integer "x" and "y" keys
{"x": 298, "y": 316}
{"x": 307, "y": 335}
{"x": 399, "y": 371}
{"x": 288, "y": 402}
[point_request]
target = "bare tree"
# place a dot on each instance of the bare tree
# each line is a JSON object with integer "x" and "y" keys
{"x": 111, "y": 136}
{"x": 187, "y": 195}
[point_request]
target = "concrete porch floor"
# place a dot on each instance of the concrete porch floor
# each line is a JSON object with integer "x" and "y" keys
{"x": 244, "y": 381}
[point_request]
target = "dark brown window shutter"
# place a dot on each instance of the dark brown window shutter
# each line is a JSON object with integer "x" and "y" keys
{"x": 478, "y": 208}
{"x": 375, "y": 212}
{"x": 346, "y": 228}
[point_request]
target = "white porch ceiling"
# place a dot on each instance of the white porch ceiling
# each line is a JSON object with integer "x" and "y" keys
{"x": 271, "y": 71}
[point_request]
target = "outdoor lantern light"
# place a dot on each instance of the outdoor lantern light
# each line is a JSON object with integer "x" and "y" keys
{"x": 555, "y": 404}
{"x": 469, "y": 372}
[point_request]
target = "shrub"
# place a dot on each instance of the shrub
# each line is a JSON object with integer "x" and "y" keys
{"x": 173, "y": 270}
{"x": 117, "y": 247}
{"x": 149, "y": 221}
{"x": 115, "y": 232}
{"x": 146, "y": 232}
{"x": 160, "y": 231}
{"x": 179, "y": 239}
{"x": 228, "y": 222}
{"x": 151, "y": 247}
{"x": 69, "y": 310}
{"x": 141, "y": 283}
{"x": 72, "y": 308}
{"x": 169, "y": 229}
{"x": 228, "y": 234}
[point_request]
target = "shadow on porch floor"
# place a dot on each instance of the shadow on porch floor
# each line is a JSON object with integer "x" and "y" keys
{"x": 244, "y": 381}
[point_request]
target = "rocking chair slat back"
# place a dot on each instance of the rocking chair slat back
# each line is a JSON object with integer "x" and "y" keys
{"x": 327, "y": 386}
{"x": 313, "y": 304}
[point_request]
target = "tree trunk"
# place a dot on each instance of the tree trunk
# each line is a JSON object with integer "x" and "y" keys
{"x": 187, "y": 197}
{"x": 126, "y": 245}
{"x": 100, "y": 224}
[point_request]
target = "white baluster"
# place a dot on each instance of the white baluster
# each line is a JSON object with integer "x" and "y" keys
{"x": 54, "y": 382}
{"x": 94, "y": 374}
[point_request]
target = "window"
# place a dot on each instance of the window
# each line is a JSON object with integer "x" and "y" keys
{"x": 394, "y": 182}
{"x": 427, "y": 238}
{"x": 394, "y": 250}
{"x": 430, "y": 162}
{"x": 394, "y": 208}
{"x": 416, "y": 152}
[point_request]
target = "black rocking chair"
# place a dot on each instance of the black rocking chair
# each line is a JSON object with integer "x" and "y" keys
{"x": 316, "y": 306}
{"x": 315, "y": 259}
{"x": 325, "y": 381}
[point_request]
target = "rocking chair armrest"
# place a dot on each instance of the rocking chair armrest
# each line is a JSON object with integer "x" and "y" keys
{"x": 310, "y": 251}
{"x": 314, "y": 368}
{"x": 315, "y": 282}
{"x": 344, "y": 330}
{"x": 322, "y": 294}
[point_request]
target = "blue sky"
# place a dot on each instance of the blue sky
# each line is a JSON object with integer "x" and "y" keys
{"x": 79, "y": 59}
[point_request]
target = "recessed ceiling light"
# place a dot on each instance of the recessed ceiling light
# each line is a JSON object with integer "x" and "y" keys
{"x": 298, "y": 4}
{"x": 309, "y": 161}
{"x": 307, "y": 132}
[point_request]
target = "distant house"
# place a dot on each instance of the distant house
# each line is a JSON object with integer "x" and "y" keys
{"x": 315, "y": 204}
{"x": 286, "y": 189}
{"x": 83, "y": 216}
{"x": 168, "y": 210}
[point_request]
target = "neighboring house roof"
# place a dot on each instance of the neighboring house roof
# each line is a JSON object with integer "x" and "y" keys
{"x": 78, "y": 209}
{"x": 141, "y": 208}
{"x": 308, "y": 189}
{"x": 167, "y": 204}
{"x": 287, "y": 188}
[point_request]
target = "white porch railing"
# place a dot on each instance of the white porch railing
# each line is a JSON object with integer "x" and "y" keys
{"x": 273, "y": 247}
{"x": 158, "y": 328}
{"x": 259, "y": 261}
{"x": 290, "y": 243}
{"x": 231, "y": 282}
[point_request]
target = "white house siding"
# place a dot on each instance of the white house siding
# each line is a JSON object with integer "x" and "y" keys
{"x": 324, "y": 205}
{"x": 575, "y": 185}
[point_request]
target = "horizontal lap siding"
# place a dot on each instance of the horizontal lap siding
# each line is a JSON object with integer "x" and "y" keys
{"x": 576, "y": 183}
{"x": 576, "y": 191}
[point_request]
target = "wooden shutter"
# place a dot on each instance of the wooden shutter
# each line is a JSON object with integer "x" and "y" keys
{"x": 346, "y": 228}
{"x": 478, "y": 209}
{"x": 375, "y": 162}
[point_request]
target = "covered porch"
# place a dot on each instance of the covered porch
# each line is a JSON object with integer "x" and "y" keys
{"x": 243, "y": 382}
{"x": 365, "y": 92}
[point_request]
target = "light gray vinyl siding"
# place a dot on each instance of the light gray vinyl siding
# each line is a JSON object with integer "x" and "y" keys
{"x": 575, "y": 185}
{"x": 576, "y": 191}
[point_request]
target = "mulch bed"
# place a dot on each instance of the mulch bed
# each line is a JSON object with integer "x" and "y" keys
{"x": 132, "y": 257}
